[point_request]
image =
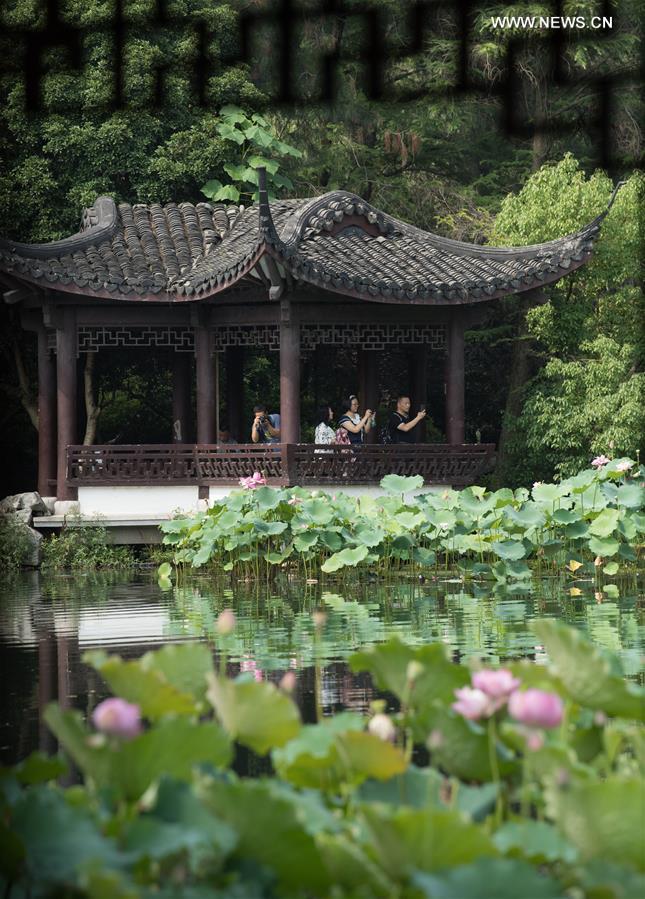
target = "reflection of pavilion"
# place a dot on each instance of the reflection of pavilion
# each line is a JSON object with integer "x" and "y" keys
{"x": 291, "y": 276}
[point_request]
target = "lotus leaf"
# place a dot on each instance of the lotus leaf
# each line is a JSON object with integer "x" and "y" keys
{"x": 503, "y": 878}
{"x": 256, "y": 714}
{"x": 586, "y": 673}
{"x": 603, "y": 819}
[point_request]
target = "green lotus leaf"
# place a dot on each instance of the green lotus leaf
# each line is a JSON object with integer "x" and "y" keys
{"x": 345, "y": 558}
{"x": 603, "y": 819}
{"x": 396, "y": 483}
{"x": 503, "y": 878}
{"x": 256, "y": 714}
{"x": 586, "y": 673}
{"x": 536, "y": 841}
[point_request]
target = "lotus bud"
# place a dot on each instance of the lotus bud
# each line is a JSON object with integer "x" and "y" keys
{"x": 435, "y": 740}
{"x": 118, "y": 718}
{"x": 382, "y": 727}
{"x": 414, "y": 670}
{"x": 598, "y": 561}
{"x": 288, "y": 681}
{"x": 497, "y": 684}
{"x": 319, "y": 619}
{"x": 225, "y": 624}
{"x": 598, "y": 596}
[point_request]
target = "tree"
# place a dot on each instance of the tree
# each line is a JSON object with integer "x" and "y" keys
{"x": 584, "y": 347}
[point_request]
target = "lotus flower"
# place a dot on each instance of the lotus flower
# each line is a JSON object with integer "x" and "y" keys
{"x": 225, "y": 623}
{"x": 625, "y": 465}
{"x": 382, "y": 727}
{"x": 118, "y": 718}
{"x": 497, "y": 684}
{"x": 536, "y": 708}
{"x": 288, "y": 681}
{"x": 473, "y": 704}
{"x": 599, "y": 461}
{"x": 256, "y": 480}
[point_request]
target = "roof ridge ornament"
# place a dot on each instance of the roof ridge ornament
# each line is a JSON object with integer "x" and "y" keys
{"x": 103, "y": 210}
{"x": 267, "y": 226}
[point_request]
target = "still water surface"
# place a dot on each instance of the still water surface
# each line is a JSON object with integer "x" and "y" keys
{"x": 47, "y": 622}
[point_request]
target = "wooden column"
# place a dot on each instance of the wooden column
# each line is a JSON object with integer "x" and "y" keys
{"x": 66, "y": 398}
{"x": 205, "y": 385}
{"x": 289, "y": 375}
{"x": 455, "y": 432}
{"x": 235, "y": 394}
{"x": 418, "y": 372}
{"x": 46, "y": 417}
{"x": 368, "y": 385}
{"x": 181, "y": 424}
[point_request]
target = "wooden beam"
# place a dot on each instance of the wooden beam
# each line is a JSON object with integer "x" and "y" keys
{"x": 455, "y": 384}
{"x": 205, "y": 384}
{"x": 289, "y": 375}
{"x": 46, "y": 417}
{"x": 66, "y": 398}
{"x": 181, "y": 378}
{"x": 235, "y": 393}
{"x": 418, "y": 376}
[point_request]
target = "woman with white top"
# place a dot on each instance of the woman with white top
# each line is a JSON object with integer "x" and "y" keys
{"x": 324, "y": 433}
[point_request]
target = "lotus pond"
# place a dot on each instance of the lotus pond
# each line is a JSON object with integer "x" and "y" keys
{"x": 442, "y": 718}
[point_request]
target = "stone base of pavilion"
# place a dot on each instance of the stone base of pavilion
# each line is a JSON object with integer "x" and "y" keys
{"x": 135, "y": 487}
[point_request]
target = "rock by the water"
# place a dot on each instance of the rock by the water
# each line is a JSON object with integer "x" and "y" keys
{"x": 20, "y": 516}
{"x": 30, "y": 501}
{"x": 33, "y": 557}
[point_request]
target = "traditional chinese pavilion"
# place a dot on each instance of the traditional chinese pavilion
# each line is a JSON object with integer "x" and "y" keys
{"x": 287, "y": 275}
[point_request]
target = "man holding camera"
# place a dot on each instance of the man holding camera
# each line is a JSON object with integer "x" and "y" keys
{"x": 265, "y": 428}
{"x": 400, "y": 425}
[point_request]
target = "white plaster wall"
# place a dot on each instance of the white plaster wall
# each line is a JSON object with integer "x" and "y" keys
{"x": 218, "y": 493}
{"x": 133, "y": 502}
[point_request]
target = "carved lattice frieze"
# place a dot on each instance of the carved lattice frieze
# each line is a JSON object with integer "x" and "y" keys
{"x": 246, "y": 335}
{"x": 373, "y": 335}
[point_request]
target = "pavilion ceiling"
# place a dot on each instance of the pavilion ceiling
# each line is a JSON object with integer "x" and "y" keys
{"x": 337, "y": 242}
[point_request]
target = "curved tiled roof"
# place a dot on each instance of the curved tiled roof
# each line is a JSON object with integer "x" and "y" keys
{"x": 183, "y": 252}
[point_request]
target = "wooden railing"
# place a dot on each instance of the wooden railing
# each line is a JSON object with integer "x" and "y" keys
{"x": 281, "y": 464}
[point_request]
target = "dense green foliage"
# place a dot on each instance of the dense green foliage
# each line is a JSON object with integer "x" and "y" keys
{"x": 593, "y": 521}
{"x": 84, "y": 548}
{"x": 15, "y": 545}
{"x": 347, "y": 813}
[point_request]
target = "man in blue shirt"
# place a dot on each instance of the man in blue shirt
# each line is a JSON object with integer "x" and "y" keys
{"x": 265, "y": 428}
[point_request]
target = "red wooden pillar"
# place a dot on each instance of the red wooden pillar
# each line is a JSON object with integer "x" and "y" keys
{"x": 65, "y": 396}
{"x": 455, "y": 431}
{"x": 289, "y": 375}
{"x": 368, "y": 385}
{"x": 46, "y": 417}
{"x": 418, "y": 370}
{"x": 235, "y": 394}
{"x": 181, "y": 372}
{"x": 205, "y": 385}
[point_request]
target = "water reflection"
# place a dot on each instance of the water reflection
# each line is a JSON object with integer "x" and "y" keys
{"x": 47, "y": 623}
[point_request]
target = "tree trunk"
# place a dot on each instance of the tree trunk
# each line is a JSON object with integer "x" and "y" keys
{"x": 540, "y": 143}
{"x": 25, "y": 391}
{"x": 92, "y": 408}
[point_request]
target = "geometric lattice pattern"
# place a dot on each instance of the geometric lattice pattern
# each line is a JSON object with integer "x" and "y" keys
{"x": 369, "y": 336}
{"x": 247, "y": 336}
{"x": 373, "y": 336}
{"x": 91, "y": 340}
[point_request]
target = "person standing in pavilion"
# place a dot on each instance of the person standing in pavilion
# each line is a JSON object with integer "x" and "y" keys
{"x": 400, "y": 425}
{"x": 355, "y": 424}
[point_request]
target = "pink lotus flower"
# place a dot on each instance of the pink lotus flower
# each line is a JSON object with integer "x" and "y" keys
{"x": 251, "y": 666}
{"x": 473, "y": 704}
{"x": 294, "y": 501}
{"x": 288, "y": 681}
{"x": 625, "y": 465}
{"x": 256, "y": 480}
{"x": 536, "y": 708}
{"x": 497, "y": 684}
{"x": 599, "y": 461}
{"x": 117, "y": 718}
{"x": 225, "y": 623}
